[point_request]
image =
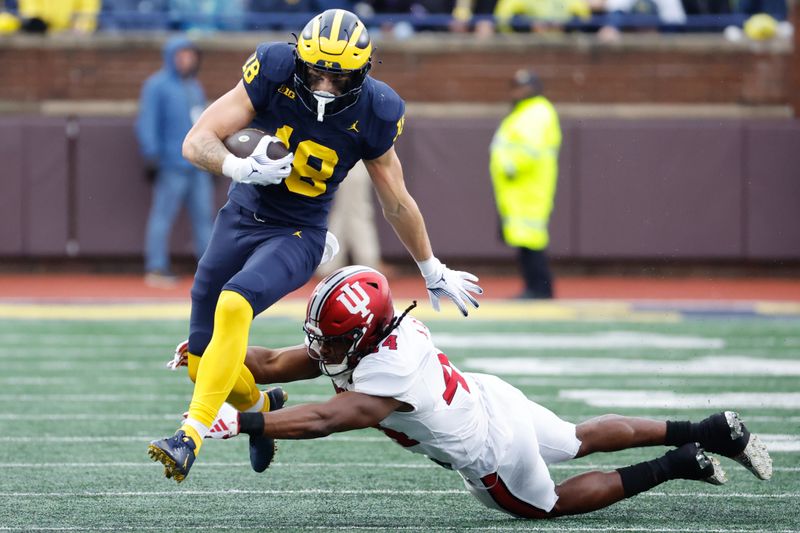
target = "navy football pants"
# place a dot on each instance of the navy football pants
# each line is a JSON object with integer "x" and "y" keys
{"x": 263, "y": 262}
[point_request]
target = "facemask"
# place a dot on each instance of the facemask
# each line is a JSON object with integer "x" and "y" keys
{"x": 334, "y": 370}
{"x": 323, "y": 98}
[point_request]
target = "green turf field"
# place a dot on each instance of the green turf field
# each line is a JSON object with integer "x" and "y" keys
{"x": 81, "y": 399}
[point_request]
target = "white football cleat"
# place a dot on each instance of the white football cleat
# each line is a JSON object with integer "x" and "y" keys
{"x": 225, "y": 426}
{"x": 755, "y": 456}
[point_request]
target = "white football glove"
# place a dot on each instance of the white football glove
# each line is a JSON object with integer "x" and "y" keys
{"x": 456, "y": 285}
{"x": 257, "y": 168}
{"x": 225, "y": 426}
{"x": 331, "y": 248}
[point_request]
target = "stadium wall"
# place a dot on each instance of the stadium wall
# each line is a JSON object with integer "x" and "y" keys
{"x": 628, "y": 190}
{"x": 699, "y": 69}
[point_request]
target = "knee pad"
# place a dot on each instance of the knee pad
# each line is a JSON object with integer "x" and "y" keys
{"x": 252, "y": 287}
{"x": 232, "y": 306}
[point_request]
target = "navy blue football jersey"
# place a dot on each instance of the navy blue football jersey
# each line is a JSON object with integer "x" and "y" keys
{"x": 324, "y": 152}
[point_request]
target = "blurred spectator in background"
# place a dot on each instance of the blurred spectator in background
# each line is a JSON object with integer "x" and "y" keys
{"x": 9, "y": 22}
{"x": 134, "y": 15}
{"x": 207, "y": 15}
{"x": 464, "y": 10}
{"x": 171, "y": 101}
{"x": 55, "y": 16}
{"x": 767, "y": 19}
{"x": 282, "y": 6}
{"x": 259, "y": 22}
{"x": 546, "y": 15}
{"x": 777, "y": 9}
{"x": 418, "y": 9}
{"x": 620, "y": 11}
{"x": 352, "y": 221}
{"x": 524, "y": 168}
{"x": 706, "y": 7}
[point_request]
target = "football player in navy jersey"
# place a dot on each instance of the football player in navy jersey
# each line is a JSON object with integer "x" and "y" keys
{"x": 268, "y": 239}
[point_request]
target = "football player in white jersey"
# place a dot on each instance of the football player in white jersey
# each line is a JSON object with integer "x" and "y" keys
{"x": 388, "y": 374}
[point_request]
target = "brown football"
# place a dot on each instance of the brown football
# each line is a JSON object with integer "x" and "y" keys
{"x": 243, "y": 142}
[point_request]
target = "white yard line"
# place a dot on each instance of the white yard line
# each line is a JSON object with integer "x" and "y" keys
{"x": 352, "y": 492}
{"x": 87, "y": 416}
{"x": 128, "y": 398}
{"x": 586, "y": 341}
{"x": 523, "y": 526}
{"x": 708, "y": 365}
{"x": 234, "y": 492}
{"x": 661, "y": 399}
{"x": 371, "y": 466}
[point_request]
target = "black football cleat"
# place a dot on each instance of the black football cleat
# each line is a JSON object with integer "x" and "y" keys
{"x": 262, "y": 448}
{"x": 710, "y": 467}
{"x": 176, "y": 453}
{"x": 691, "y": 462}
{"x": 728, "y": 436}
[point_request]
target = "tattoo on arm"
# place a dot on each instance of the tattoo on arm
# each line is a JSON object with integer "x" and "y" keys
{"x": 210, "y": 154}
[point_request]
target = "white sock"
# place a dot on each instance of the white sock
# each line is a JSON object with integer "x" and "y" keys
{"x": 199, "y": 427}
{"x": 258, "y": 406}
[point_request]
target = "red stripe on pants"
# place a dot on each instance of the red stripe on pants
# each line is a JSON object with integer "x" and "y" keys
{"x": 502, "y": 496}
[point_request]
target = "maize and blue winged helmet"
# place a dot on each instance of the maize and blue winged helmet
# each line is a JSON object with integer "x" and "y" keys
{"x": 336, "y": 42}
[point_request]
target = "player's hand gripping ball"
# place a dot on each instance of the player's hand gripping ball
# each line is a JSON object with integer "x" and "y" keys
{"x": 256, "y": 157}
{"x": 243, "y": 143}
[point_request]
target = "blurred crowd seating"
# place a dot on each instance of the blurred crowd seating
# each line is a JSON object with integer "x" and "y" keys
{"x": 400, "y": 18}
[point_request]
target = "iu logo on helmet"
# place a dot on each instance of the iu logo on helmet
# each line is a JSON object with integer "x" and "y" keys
{"x": 355, "y": 299}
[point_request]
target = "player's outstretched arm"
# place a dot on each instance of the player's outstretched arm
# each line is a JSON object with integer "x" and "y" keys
{"x": 344, "y": 412}
{"x": 228, "y": 114}
{"x": 399, "y": 208}
{"x": 282, "y": 365}
{"x": 402, "y": 212}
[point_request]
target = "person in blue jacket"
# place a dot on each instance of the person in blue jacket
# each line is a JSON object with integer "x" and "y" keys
{"x": 171, "y": 102}
{"x": 317, "y": 98}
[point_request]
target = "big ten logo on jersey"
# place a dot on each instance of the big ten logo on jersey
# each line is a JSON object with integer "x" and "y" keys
{"x": 356, "y": 300}
{"x": 284, "y": 90}
{"x": 313, "y": 164}
{"x": 250, "y": 68}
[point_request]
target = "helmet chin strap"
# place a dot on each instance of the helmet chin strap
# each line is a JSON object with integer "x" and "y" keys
{"x": 323, "y": 98}
{"x": 335, "y": 369}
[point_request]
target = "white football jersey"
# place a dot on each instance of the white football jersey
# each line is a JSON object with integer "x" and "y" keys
{"x": 449, "y": 421}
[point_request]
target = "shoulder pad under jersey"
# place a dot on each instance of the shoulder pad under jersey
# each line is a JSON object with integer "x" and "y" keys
{"x": 386, "y": 103}
{"x": 277, "y": 61}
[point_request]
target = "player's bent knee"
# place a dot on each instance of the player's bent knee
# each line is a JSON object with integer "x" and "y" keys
{"x": 234, "y": 306}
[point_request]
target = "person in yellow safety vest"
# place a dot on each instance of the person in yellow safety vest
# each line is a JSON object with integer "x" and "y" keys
{"x": 524, "y": 168}
{"x": 61, "y": 15}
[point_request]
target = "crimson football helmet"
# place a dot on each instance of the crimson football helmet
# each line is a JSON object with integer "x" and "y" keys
{"x": 348, "y": 314}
